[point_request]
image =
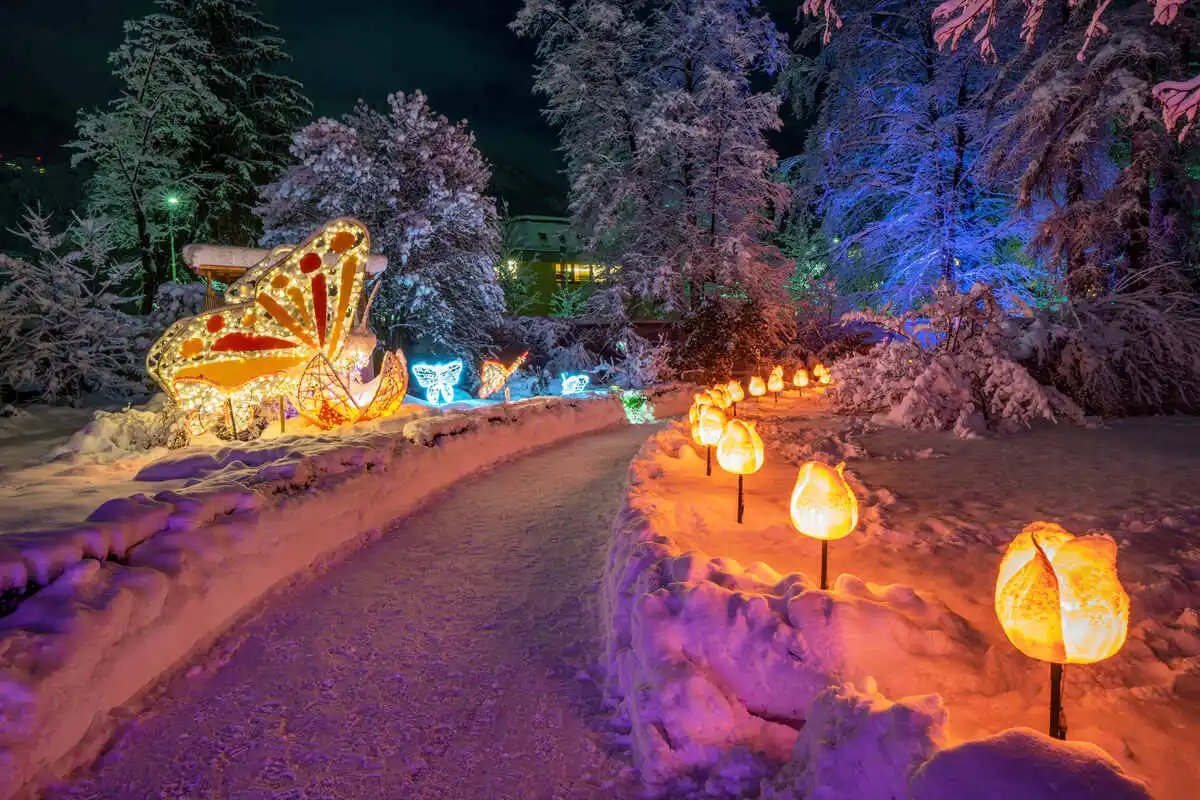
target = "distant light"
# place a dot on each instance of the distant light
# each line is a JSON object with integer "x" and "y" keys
{"x": 39, "y": 158}
{"x": 173, "y": 200}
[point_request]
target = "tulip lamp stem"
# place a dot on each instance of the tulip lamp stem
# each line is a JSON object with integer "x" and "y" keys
{"x": 1058, "y": 718}
{"x": 282, "y": 416}
{"x": 824, "y": 564}
{"x": 232, "y": 421}
{"x": 735, "y": 410}
{"x": 708, "y": 461}
{"x": 741, "y": 501}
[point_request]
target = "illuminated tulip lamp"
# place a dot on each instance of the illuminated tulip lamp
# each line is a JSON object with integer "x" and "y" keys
{"x": 824, "y": 507}
{"x": 758, "y": 387}
{"x": 574, "y": 384}
{"x": 775, "y": 383}
{"x": 284, "y": 333}
{"x": 439, "y": 380}
{"x": 1059, "y": 599}
{"x": 800, "y": 380}
{"x": 710, "y": 424}
{"x": 720, "y": 397}
{"x": 736, "y": 395}
{"x": 494, "y": 376}
{"x": 740, "y": 451}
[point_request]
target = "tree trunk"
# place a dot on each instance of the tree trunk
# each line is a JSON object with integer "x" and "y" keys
{"x": 149, "y": 271}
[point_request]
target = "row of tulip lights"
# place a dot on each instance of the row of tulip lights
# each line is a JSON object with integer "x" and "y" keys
{"x": 1059, "y": 599}
{"x": 739, "y": 447}
{"x": 775, "y": 382}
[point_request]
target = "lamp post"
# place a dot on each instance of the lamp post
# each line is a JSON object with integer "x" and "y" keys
{"x": 172, "y": 202}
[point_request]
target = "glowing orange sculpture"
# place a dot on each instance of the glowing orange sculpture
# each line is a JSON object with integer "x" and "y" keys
{"x": 300, "y": 304}
{"x": 735, "y": 391}
{"x": 825, "y": 379}
{"x": 800, "y": 379}
{"x": 494, "y": 375}
{"x": 720, "y": 397}
{"x": 1059, "y": 599}
{"x": 707, "y": 432}
{"x": 740, "y": 450}
{"x": 823, "y": 504}
{"x": 775, "y": 383}
{"x": 823, "y": 507}
{"x": 758, "y": 387}
{"x": 328, "y": 399}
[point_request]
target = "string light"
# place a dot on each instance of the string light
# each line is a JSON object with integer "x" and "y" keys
{"x": 574, "y": 384}
{"x": 494, "y": 375}
{"x": 439, "y": 380}
{"x": 638, "y": 409}
{"x": 299, "y": 306}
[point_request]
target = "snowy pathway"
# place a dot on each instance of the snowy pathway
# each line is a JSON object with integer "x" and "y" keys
{"x": 446, "y": 660}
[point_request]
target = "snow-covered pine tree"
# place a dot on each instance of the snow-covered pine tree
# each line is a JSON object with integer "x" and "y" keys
{"x": 1112, "y": 196}
{"x": 62, "y": 328}
{"x": 893, "y": 162}
{"x": 245, "y": 144}
{"x": 664, "y": 139}
{"x": 417, "y": 181}
{"x": 138, "y": 143}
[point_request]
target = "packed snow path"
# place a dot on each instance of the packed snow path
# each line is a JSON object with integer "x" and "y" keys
{"x": 449, "y": 659}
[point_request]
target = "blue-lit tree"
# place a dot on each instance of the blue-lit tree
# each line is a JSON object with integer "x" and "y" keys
{"x": 893, "y": 163}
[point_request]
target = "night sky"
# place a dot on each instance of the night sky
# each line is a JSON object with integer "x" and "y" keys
{"x": 458, "y": 52}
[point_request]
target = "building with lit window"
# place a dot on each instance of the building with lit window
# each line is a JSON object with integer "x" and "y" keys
{"x": 544, "y": 250}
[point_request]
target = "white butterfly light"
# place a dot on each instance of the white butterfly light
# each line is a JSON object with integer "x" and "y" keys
{"x": 574, "y": 384}
{"x": 439, "y": 380}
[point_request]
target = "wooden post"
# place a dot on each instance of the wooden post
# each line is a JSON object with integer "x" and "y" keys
{"x": 232, "y": 421}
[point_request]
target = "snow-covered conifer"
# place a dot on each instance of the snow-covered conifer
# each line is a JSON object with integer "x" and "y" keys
{"x": 63, "y": 332}
{"x": 417, "y": 181}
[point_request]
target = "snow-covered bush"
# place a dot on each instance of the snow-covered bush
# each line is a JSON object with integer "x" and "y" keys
{"x": 1133, "y": 353}
{"x": 63, "y": 332}
{"x": 968, "y": 382}
{"x": 173, "y": 302}
{"x": 116, "y": 434}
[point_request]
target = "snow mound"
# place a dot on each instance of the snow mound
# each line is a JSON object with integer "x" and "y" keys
{"x": 1025, "y": 764}
{"x": 112, "y": 435}
{"x": 705, "y": 655}
{"x": 860, "y": 745}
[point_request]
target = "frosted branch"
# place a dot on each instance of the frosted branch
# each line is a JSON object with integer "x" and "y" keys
{"x": 1165, "y": 11}
{"x": 960, "y": 16}
{"x": 1180, "y": 101}
{"x": 826, "y": 8}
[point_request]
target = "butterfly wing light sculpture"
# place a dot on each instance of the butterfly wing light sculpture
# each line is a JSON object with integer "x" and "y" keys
{"x": 439, "y": 380}
{"x": 282, "y": 334}
{"x": 494, "y": 375}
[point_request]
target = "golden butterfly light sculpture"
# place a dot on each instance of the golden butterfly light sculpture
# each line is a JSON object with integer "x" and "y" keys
{"x": 494, "y": 375}
{"x": 286, "y": 338}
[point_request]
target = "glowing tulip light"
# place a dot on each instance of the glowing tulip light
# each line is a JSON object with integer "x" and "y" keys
{"x": 1059, "y": 599}
{"x": 574, "y": 384}
{"x": 824, "y": 507}
{"x": 800, "y": 379}
{"x": 775, "y": 382}
{"x": 720, "y": 397}
{"x": 736, "y": 395}
{"x": 758, "y": 387}
{"x": 740, "y": 450}
{"x": 439, "y": 380}
{"x": 707, "y": 431}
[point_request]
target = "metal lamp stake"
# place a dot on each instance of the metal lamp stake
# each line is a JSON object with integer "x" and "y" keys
{"x": 282, "y": 416}
{"x": 741, "y": 498}
{"x": 824, "y": 564}
{"x": 708, "y": 460}
{"x": 1058, "y": 717}
{"x": 232, "y": 421}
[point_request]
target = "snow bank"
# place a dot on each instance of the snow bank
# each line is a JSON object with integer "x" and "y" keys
{"x": 132, "y": 592}
{"x": 735, "y": 680}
